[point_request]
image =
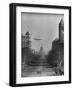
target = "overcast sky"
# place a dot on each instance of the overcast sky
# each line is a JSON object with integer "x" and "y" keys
{"x": 41, "y": 26}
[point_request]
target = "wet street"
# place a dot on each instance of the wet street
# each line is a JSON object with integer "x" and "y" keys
{"x": 43, "y": 69}
{"x": 37, "y": 71}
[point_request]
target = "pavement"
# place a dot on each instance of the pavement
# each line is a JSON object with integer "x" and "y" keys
{"x": 37, "y": 71}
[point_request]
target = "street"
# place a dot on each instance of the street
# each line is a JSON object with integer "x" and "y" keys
{"x": 37, "y": 71}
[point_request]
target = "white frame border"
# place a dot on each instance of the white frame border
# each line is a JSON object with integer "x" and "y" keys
{"x": 20, "y": 80}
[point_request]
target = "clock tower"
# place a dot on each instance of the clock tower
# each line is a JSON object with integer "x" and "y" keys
{"x": 61, "y": 30}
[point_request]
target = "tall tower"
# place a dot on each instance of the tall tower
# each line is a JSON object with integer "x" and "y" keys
{"x": 61, "y": 30}
{"x": 26, "y": 40}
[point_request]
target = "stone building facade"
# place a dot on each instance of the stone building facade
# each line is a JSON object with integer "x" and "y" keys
{"x": 58, "y": 47}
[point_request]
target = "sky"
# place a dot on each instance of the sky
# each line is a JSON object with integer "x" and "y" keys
{"x": 41, "y": 26}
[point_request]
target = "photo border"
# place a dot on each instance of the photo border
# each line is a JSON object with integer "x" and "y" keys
{"x": 12, "y": 71}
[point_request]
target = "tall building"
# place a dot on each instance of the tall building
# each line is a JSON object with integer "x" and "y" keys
{"x": 58, "y": 45}
{"x": 61, "y": 30}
